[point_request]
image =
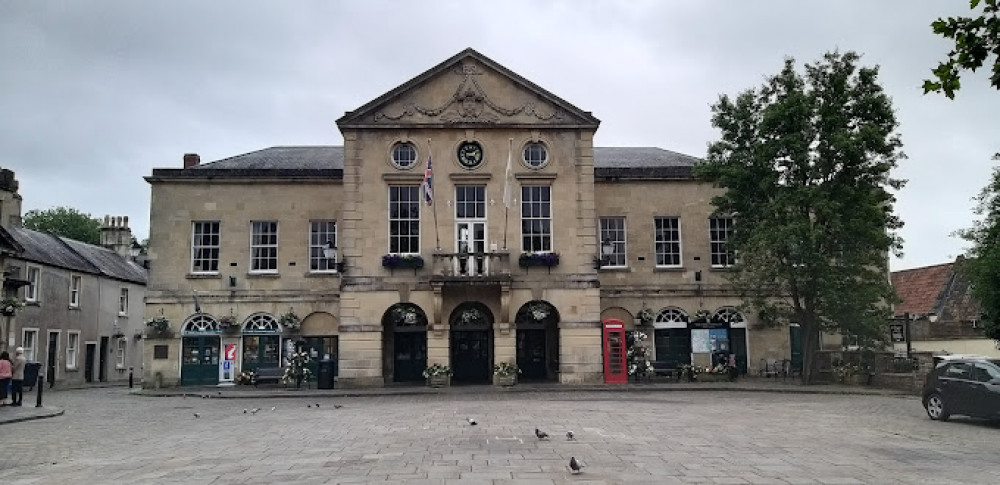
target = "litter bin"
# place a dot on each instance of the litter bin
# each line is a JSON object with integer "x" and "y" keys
{"x": 327, "y": 369}
{"x": 31, "y": 374}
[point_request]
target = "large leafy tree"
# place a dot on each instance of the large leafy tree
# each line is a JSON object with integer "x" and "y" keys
{"x": 66, "y": 222}
{"x": 804, "y": 160}
{"x": 982, "y": 267}
{"x": 977, "y": 39}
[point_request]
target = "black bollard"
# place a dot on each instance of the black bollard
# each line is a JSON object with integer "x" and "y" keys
{"x": 130, "y": 378}
{"x": 39, "y": 386}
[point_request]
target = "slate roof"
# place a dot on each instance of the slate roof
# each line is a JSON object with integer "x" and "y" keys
{"x": 921, "y": 289}
{"x": 44, "y": 248}
{"x": 8, "y": 245}
{"x": 609, "y": 162}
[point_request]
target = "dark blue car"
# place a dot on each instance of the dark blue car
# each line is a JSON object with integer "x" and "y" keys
{"x": 965, "y": 386}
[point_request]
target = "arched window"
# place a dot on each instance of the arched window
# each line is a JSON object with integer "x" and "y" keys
{"x": 261, "y": 323}
{"x": 201, "y": 324}
{"x": 671, "y": 317}
{"x": 731, "y": 316}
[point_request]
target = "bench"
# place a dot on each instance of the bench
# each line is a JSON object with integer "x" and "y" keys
{"x": 269, "y": 375}
{"x": 665, "y": 369}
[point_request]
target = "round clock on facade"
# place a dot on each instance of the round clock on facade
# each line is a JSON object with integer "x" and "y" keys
{"x": 470, "y": 154}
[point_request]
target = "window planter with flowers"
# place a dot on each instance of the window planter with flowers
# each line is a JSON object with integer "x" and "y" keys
{"x": 547, "y": 260}
{"x": 289, "y": 320}
{"x": 10, "y": 306}
{"x": 505, "y": 374}
{"x": 645, "y": 317}
{"x": 718, "y": 373}
{"x": 438, "y": 375}
{"x": 403, "y": 261}
{"x": 159, "y": 325}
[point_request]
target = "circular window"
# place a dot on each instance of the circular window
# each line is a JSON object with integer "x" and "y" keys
{"x": 404, "y": 155}
{"x": 535, "y": 155}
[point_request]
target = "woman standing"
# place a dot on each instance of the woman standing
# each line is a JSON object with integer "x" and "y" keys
{"x": 6, "y": 372}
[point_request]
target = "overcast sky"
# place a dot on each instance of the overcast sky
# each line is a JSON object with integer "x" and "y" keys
{"x": 94, "y": 95}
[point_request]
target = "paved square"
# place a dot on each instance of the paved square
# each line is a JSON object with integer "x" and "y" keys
{"x": 656, "y": 437}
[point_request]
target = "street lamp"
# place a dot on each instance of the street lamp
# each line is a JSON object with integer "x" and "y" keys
{"x": 607, "y": 249}
{"x": 330, "y": 253}
{"x": 134, "y": 250}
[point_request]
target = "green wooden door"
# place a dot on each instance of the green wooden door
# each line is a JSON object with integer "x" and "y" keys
{"x": 200, "y": 360}
{"x": 673, "y": 346}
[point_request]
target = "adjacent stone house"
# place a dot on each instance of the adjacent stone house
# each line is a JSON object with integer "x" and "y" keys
{"x": 467, "y": 220}
{"x": 943, "y": 316}
{"x": 82, "y": 315}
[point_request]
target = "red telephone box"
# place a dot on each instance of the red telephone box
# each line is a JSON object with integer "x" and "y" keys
{"x": 615, "y": 367}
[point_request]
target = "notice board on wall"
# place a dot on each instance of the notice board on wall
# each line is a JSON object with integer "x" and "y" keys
{"x": 700, "y": 341}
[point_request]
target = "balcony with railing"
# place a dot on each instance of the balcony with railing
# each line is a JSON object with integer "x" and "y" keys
{"x": 489, "y": 266}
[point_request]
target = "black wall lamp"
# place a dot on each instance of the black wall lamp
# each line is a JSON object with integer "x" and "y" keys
{"x": 607, "y": 249}
{"x": 330, "y": 252}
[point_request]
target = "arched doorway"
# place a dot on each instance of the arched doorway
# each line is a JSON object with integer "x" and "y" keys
{"x": 672, "y": 337}
{"x": 405, "y": 339}
{"x": 537, "y": 343}
{"x": 261, "y": 342}
{"x": 200, "y": 351}
{"x": 471, "y": 343}
{"x": 735, "y": 335}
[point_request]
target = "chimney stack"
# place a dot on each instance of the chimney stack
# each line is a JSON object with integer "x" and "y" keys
{"x": 116, "y": 235}
{"x": 191, "y": 160}
{"x": 10, "y": 200}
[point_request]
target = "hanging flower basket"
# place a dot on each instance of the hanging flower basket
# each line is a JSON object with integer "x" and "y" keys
{"x": 701, "y": 316}
{"x": 645, "y": 317}
{"x": 395, "y": 261}
{"x": 159, "y": 324}
{"x": 290, "y": 320}
{"x": 547, "y": 260}
{"x": 10, "y": 306}
{"x": 228, "y": 323}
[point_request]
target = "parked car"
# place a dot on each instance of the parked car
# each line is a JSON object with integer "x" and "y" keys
{"x": 967, "y": 386}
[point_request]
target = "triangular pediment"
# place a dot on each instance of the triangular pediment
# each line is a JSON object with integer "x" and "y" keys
{"x": 469, "y": 89}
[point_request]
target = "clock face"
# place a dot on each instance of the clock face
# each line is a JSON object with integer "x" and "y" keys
{"x": 470, "y": 154}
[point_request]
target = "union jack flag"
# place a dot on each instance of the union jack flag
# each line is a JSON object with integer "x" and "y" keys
{"x": 428, "y": 185}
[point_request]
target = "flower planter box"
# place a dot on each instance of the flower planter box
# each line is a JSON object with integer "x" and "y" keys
{"x": 505, "y": 381}
{"x": 547, "y": 260}
{"x": 712, "y": 377}
{"x": 439, "y": 381}
{"x": 397, "y": 262}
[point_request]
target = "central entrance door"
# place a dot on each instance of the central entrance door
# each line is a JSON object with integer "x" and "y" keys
{"x": 471, "y": 344}
{"x": 470, "y": 356}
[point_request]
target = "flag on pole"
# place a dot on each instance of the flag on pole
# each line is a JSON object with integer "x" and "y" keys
{"x": 428, "y": 185}
{"x": 197, "y": 302}
{"x": 508, "y": 196}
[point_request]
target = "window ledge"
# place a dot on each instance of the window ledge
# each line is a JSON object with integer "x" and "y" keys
{"x": 263, "y": 275}
{"x": 722, "y": 269}
{"x": 203, "y": 276}
{"x": 322, "y": 274}
{"x": 32, "y": 303}
{"x": 74, "y": 307}
{"x": 614, "y": 269}
{"x": 669, "y": 269}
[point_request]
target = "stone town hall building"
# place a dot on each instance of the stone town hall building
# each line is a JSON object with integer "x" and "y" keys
{"x": 534, "y": 238}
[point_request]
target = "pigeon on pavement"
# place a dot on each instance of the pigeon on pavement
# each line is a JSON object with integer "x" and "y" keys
{"x": 197, "y": 415}
{"x": 254, "y": 410}
{"x": 541, "y": 434}
{"x": 338, "y": 406}
{"x": 244, "y": 411}
{"x": 273, "y": 408}
{"x": 472, "y": 421}
{"x": 309, "y": 405}
{"x": 574, "y": 465}
{"x": 317, "y": 404}
{"x": 569, "y": 436}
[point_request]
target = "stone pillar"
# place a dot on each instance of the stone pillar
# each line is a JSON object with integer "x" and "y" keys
{"x": 360, "y": 356}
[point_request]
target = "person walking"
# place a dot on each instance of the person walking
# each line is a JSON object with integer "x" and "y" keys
{"x": 6, "y": 372}
{"x": 17, "y": 376}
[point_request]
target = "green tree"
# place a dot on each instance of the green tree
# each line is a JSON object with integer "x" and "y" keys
{"x": 976, "y": 39}
{"x": 982, "y": 267}
{"x": 66, "y": 222}
{"x": 805, "y": 161}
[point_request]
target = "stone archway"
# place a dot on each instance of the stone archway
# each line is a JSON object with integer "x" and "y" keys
{"x": 537, "y": 323}
{"x": 471, "y": 343}
{"x": 404, "y": 340}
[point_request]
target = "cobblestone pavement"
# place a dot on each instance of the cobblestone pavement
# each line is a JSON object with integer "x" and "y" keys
{"x": 111, "y": 436}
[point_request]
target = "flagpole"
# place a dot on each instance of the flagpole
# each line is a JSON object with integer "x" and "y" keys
{"x": 507, "y": 195}
{"x": 437, "y": 238}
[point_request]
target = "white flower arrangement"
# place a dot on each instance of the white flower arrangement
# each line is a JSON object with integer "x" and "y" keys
{"x": 296, "y": 370}
{"x": 702, "y": 315}
{"x": 505, "y": 369}
{"x": 437, "y": 370}
{"x": 159, "y": 323}
{"x": 10, "y": 306}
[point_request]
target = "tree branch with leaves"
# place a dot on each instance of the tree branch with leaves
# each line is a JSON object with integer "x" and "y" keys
{"x": 977, "y": 40}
